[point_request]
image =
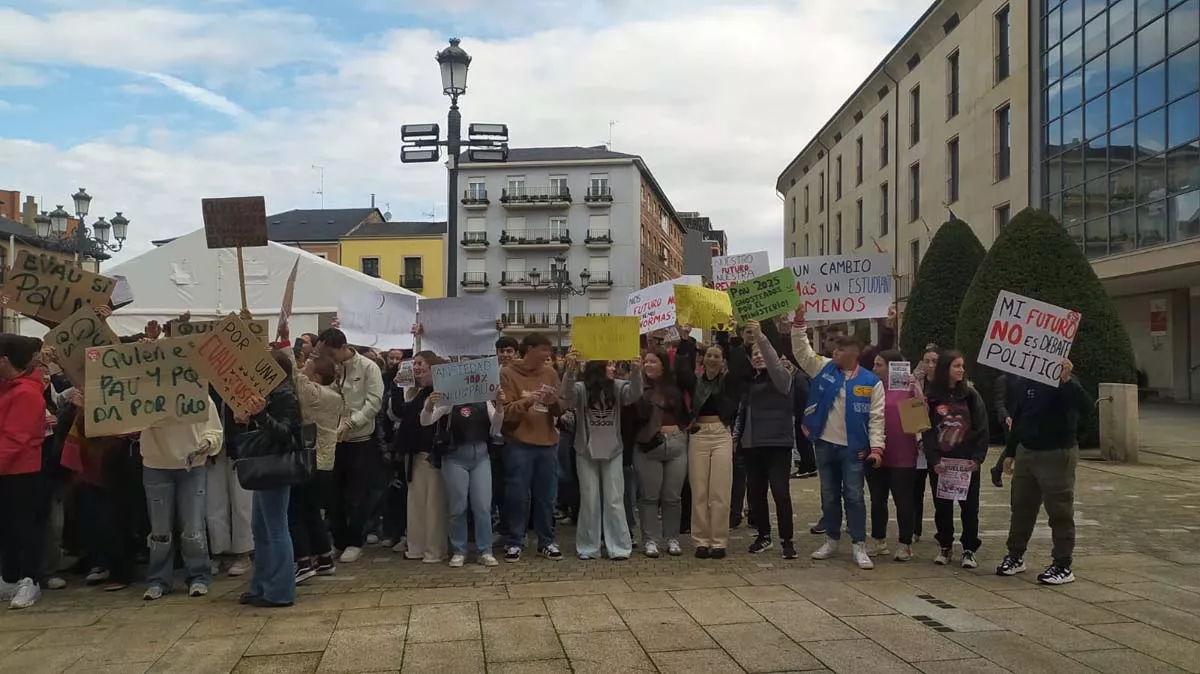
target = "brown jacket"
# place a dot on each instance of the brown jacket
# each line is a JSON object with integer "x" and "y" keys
{"x": 522, "y": 423}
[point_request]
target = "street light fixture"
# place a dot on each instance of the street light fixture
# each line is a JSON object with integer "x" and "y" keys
{"x": 560, "y": 286}
{"x": 85, "y": 241}
{"x": 423, "y": 143}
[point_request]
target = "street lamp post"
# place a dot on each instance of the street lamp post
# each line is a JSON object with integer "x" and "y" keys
{"x": 560, "y": 286}
{"x": 85, "y": 241}
{"x": 485, "y": 143}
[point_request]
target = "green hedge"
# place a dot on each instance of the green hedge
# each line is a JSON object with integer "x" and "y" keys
{"x": 931, "y": 313}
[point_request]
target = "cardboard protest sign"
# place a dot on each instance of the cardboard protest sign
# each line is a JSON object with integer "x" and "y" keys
{"x": 703, "y": 308}
{"x": 729, "y": 270}
{"x": 131, "y": 387}
{"x": 48, "y": 289}
{"x": 289, "y": 292}
{"x": 1028, "y": 338}
{"x": 235, "y": 222}
{"x": 189, "y": 328}
{"x": 914, "y": 415}
{"x": 655, "y": 305}
{"x": 380, "y": 319}
{"x": 954, "y": 483}
{"x": 844, "y": 286}
{"x": 764, "y": 297}
{"x": 468, "y": 381}
{"x": 236, "y": 362}
{"x": 458, "y": 326}
{"x": 899, "y": 375}
{"x": 606, "y": 337}
{"x": 80, "y": 331}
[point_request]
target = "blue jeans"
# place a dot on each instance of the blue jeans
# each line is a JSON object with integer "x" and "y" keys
{"x": 531, "y": 472}
{"x": 168, "y": 492}
{"x": 467, "y": 472}
{"x": 841, "y": 474}
{"x": 602, "y": 508}
{"x": 274, "y": 576}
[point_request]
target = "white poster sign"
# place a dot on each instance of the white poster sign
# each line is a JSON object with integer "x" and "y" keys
{"x": 459, "y": 326}
{"x": 655, "y": 305}
{"x": 1028, "y": 338}
{"x": 377, "y": 319}
{"x": 844, "y": 286}
{"x": 732, "y": 269}
{"x": 899, "y": 375}
{"x": 468, "y": 381}
{"x": 954, "y": 483}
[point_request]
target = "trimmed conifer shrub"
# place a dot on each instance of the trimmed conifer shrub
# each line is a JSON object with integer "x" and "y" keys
{"x": 931, "y": 313}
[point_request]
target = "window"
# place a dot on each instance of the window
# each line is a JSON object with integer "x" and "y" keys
{"x": 821, "y": 192}
{"x": 952, "y": 85}
{"x": 515, "y": 185}
{"x": 914, "y": 192}
{"x": 821, "y": 239}
{"x": 323, "y": 256}
{"x": 858, "y": 224}
{"x": 516, "y": 308}
{"x": 838, "y": 235}
{"x": 806, "y": 253}
{"x": 793, "y": 215}
{"x": 1003, "y": 143}
{"x": 914, "y": 115}
{"x": 515, "y": 226}
{"x": 477, "y": 267}
{"x": 558, "y": 228}
{"x": 476, "y": 189}
{"x": 598, "y": 226}
{"x": 806, "y": 204}
{"x": 370, "y": 266}
{"x": 598, "y": 307}
{"x": 476, "y": 230}
{"x": 838, "y": 179}
{"x": 884, "y": 142}
{"x": 885, "y": 203}
{"x": 515, "y": 265}
{"x": 952, "y": 165}
{"x": 1002, "y": 44}
{"x": 858, "y": 160}
{"x": 665, "y": 223}
{"x": 558, "y": 186}
{"x": 793, "y": 249}
{"x": 1002, "y": 215}
{"x": 598, "y": 268}
{"x": 914, "y": 256}
{"x": 412, "y": 272}
{"x": 598, "y": 185}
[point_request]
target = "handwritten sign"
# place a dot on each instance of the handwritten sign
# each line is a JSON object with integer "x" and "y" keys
{"x": 955, "y": 482}
{"x": 132, "y": 387}
{"x": 49, "y": 289}
{"x": 380, "y": 319}
{"x": 468, "y": 381}
{"x": 189, "y": 328}
{"x": 1028, "y": 338}
{"x": 844, "y": 286}
{"x": 702, "y": 308}
{"x": 235, "y": 222}
{"x": 80, "y": 331}
{"x": 899, "y": 375}
{"x": 729, "y": 270}
{"x": 606, "y": 337}
{"x": 236, "y": 362}
{"x": 765, "y": 296}
{"x": 459, "y": 326}
{"x": 655, "y": 305}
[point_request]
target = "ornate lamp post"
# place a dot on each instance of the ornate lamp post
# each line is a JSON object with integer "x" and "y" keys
{"x": 560, "y": 286}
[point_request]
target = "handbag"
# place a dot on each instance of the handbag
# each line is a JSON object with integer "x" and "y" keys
{"x": 260, "y": 466}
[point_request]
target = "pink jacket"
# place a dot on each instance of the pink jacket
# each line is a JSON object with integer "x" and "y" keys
{"x": 900, "y": 448}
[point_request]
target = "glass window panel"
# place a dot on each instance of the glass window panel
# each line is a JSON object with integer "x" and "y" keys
{"x": 1151, "y": 41}
{"x": 1122, "y": 188}
{"x": 1152, "y": 179}
{"x": 1053, "y": 60}
{"x": 1152, "y": 224}
{"x": 1183, "y": 121}
{"x": 1121, "y": 102}
{"x": 1183, "y": 73}
{"x": 1054, "y": 100}
{"x": 1120, "y": 146}
{"x": 1072, "y": 51}
{"x": 1054, "y": 135}
{"x": 1095, "y": 37}
{"x": 1121, "y": 62}
{"x": 1152, "y": 134}
{"x": 1093, "y": 7}
{"x": 1183, "y": 212}
{"x": 1120, "y": 20}
{"x": 1075, "y": 231}
{"x": 1151, "y": 88}
{"x": 1053, "y": 26}
{"x": 1095, "y": 117}
{"x": 1054, "y": 206}
{"x": 1121, "y": 229}
{"x": 1072, "y": 15}
{"x": 1183, "y": 170}
{"x": 1073, "y": 164}
{"x": 1073, "y": 206}
{"x": 1096, "y": 236}
{"x": 1096, "y": 193}
{"x": 1095, "y": 77}
{"x": 1072, "y": 90}
{"x": 1073, "y": 126}
{"x": 1183, "y": 25}
{"x": 1148, "y": 10}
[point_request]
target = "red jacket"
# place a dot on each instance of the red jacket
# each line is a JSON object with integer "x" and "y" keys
{"x": 22, "y": 424}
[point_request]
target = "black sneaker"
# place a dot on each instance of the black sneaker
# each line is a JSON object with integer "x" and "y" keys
{"x": 998, "y": 476}
{"x": 550, "y": 552}
{"x": 1011, "y": 566}
{"x": 305, "y": 572}
{"x": 760, "y": 544}
{"x": 817, "y": 530}
{"x": 1056, "y": 574}
{"x": 735, "y": 522}
{"x": 717, "y": 553}
{"x": 788, "y": 550}
{"x": 702, "y": 552}
{"x": 325, "y": 565}
{"x": 512, "y": 554}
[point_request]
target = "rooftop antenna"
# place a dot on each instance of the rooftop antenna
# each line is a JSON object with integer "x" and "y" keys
{"x": 432, "y": 212}
{"x": 320, "y": 191}
{"x": 387, "y": 211}
{"x": 611, "y": 124}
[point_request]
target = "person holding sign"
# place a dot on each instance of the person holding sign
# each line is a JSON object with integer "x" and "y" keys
{"x": 1041, "y": 456}
{"x": 845, "y": 417}
{"x": 898, "y": 472}
{"x": 426, "y": 504}
{"x": 955, "y": 447}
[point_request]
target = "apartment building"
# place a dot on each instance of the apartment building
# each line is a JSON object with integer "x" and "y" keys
{"x": 701, "y": 243}
{"x": 552, "y": 216}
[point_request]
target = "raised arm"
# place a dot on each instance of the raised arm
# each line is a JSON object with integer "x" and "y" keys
{"x": 810, "y": 361}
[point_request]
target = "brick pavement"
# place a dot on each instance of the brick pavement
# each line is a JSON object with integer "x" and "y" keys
{"x": 1135, "y": 609}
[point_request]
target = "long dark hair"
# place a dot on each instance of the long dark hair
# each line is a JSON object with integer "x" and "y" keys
{"x": 891, "y": 355}
{"x": 601, "y": 392}
{"x": 940, "y": 386}
{"x": 665, "y": 386}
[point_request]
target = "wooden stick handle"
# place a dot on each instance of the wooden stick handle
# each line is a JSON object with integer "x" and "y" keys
{"x": 242, "y": 278}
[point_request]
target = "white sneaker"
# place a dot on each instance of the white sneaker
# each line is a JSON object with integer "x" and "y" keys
{"x": 350, "y": 555}
{"x": 651, "y": 549}
{"x": 827, "y": 550}
{"x": 55, "y": 583}
{"x": 457, "y": 561}
{"x": 879, "y": 548}
{"x": 7, "y": 590}
{"x": 904, "y": 553}
{"x": 198, "y": 590}
{"x": 861, "y": 558}
{"x": 488, "y": 559}
{"x": 240, "y": 567}
{"x": 673, "y": 548}
{"x": 944, "y": 556}
{"x": 968, "y": 560}
{"x": 153, "y": 592}
{"x": 386, "y": 543}
{"x": 372, "y": 539}
{"x": 96, "y": 576}
{"x": 401, "y": 545}
{"x": 27, "y": 594}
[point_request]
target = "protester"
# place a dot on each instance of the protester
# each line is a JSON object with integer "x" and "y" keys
{"x": 1040, "y": 458}
{"x": 426, "y": 538}
{"x": 923, "y": 374}
{"x": 661, "y": 457}
{"x": 1002, "y": 400}
{"x": 898, "y": 469}
{"x": 959, "y": 430}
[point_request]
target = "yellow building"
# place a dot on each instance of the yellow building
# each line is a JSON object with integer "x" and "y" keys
{"x": 409, "y": 254}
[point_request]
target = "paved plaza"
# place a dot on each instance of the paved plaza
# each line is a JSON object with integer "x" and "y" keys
{"x": 1134, "y": 610}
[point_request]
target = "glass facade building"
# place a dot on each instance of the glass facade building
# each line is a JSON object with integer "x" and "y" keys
{"x": 1119, "y": 85}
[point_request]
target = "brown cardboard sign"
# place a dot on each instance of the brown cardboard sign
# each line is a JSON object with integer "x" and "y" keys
{"x": 237, "y": 363}
{"x": 80, "y": 331}
{"x": 914, "y": 416}
{"x": 189, "y": 328}
{"x": 235, "y": 222}
{"x": 49, "y": 289}
{"x": 132, "y": 387}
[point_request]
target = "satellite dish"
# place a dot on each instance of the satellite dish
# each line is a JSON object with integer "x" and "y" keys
{"x": 387, "y": 216}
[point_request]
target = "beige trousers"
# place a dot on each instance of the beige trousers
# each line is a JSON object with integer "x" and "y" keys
{"x": 426, "y": 512}
{"x": 710, "y": 470}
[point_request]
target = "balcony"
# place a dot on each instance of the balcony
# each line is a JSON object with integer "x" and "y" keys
{"x": 532, "y": 322}
{"x": 599, "y": 281}
{"x": 598, "y": 197}
{"x": 536, "y": 239}
{"x": 475, "y": 200}
{"x": 475, "y": 240}
{"x": 904, "y": 287}
{"x": 412, "y": 281}
{"x": 516, "y": 280}
{"x": 598, "y": 239}
{"x": 521, "y": 197}
{"x": 475, "y": 281}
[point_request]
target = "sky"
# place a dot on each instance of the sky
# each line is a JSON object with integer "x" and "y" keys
{"x": 153, "y": 105}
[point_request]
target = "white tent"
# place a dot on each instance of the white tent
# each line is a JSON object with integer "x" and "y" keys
{"x": 186, "y": 275}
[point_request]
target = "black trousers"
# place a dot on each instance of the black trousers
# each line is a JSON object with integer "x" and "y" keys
{"x": 349, "y": 506}
{"x": 496, "y": 454}
{"x": 943, "y": 515}
{"x": 310, "y": 536}
{"x": 924, "y": 476}
{"x": 808, "y": 456}
{"x": 737, "y": 496}
{"x": 21, "y": 531}
{"x": 898, "y": 482}
{"x": 395, "y": 512}
{"x": 770, "y": 467}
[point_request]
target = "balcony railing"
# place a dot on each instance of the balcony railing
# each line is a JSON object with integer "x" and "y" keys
{"x": 598, "y": 236}
{"x": 515, "y": 278}
{"x": 475, "y": 198}
{"x": 600, "y": 278}
{"x": 524, "y": 194}
{"x": 475, "y": 239}
{"x": 904, "y": 286}
{"x": 535, "y": 320}
{"x": 535, "y": 237}
{"x": 475, "y": 279}
{"x": 598, "y": 194}
{"x": 412, "y": 281}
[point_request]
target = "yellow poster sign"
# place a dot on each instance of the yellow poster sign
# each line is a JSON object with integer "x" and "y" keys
{"x": 606, "y": 337}
{"x": 703, "y": 308}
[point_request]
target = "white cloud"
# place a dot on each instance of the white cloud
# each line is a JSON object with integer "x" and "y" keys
{"x": 13, "y": 75}
{"x": 717, "y": 99}
{"x": 200, "y": 95}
